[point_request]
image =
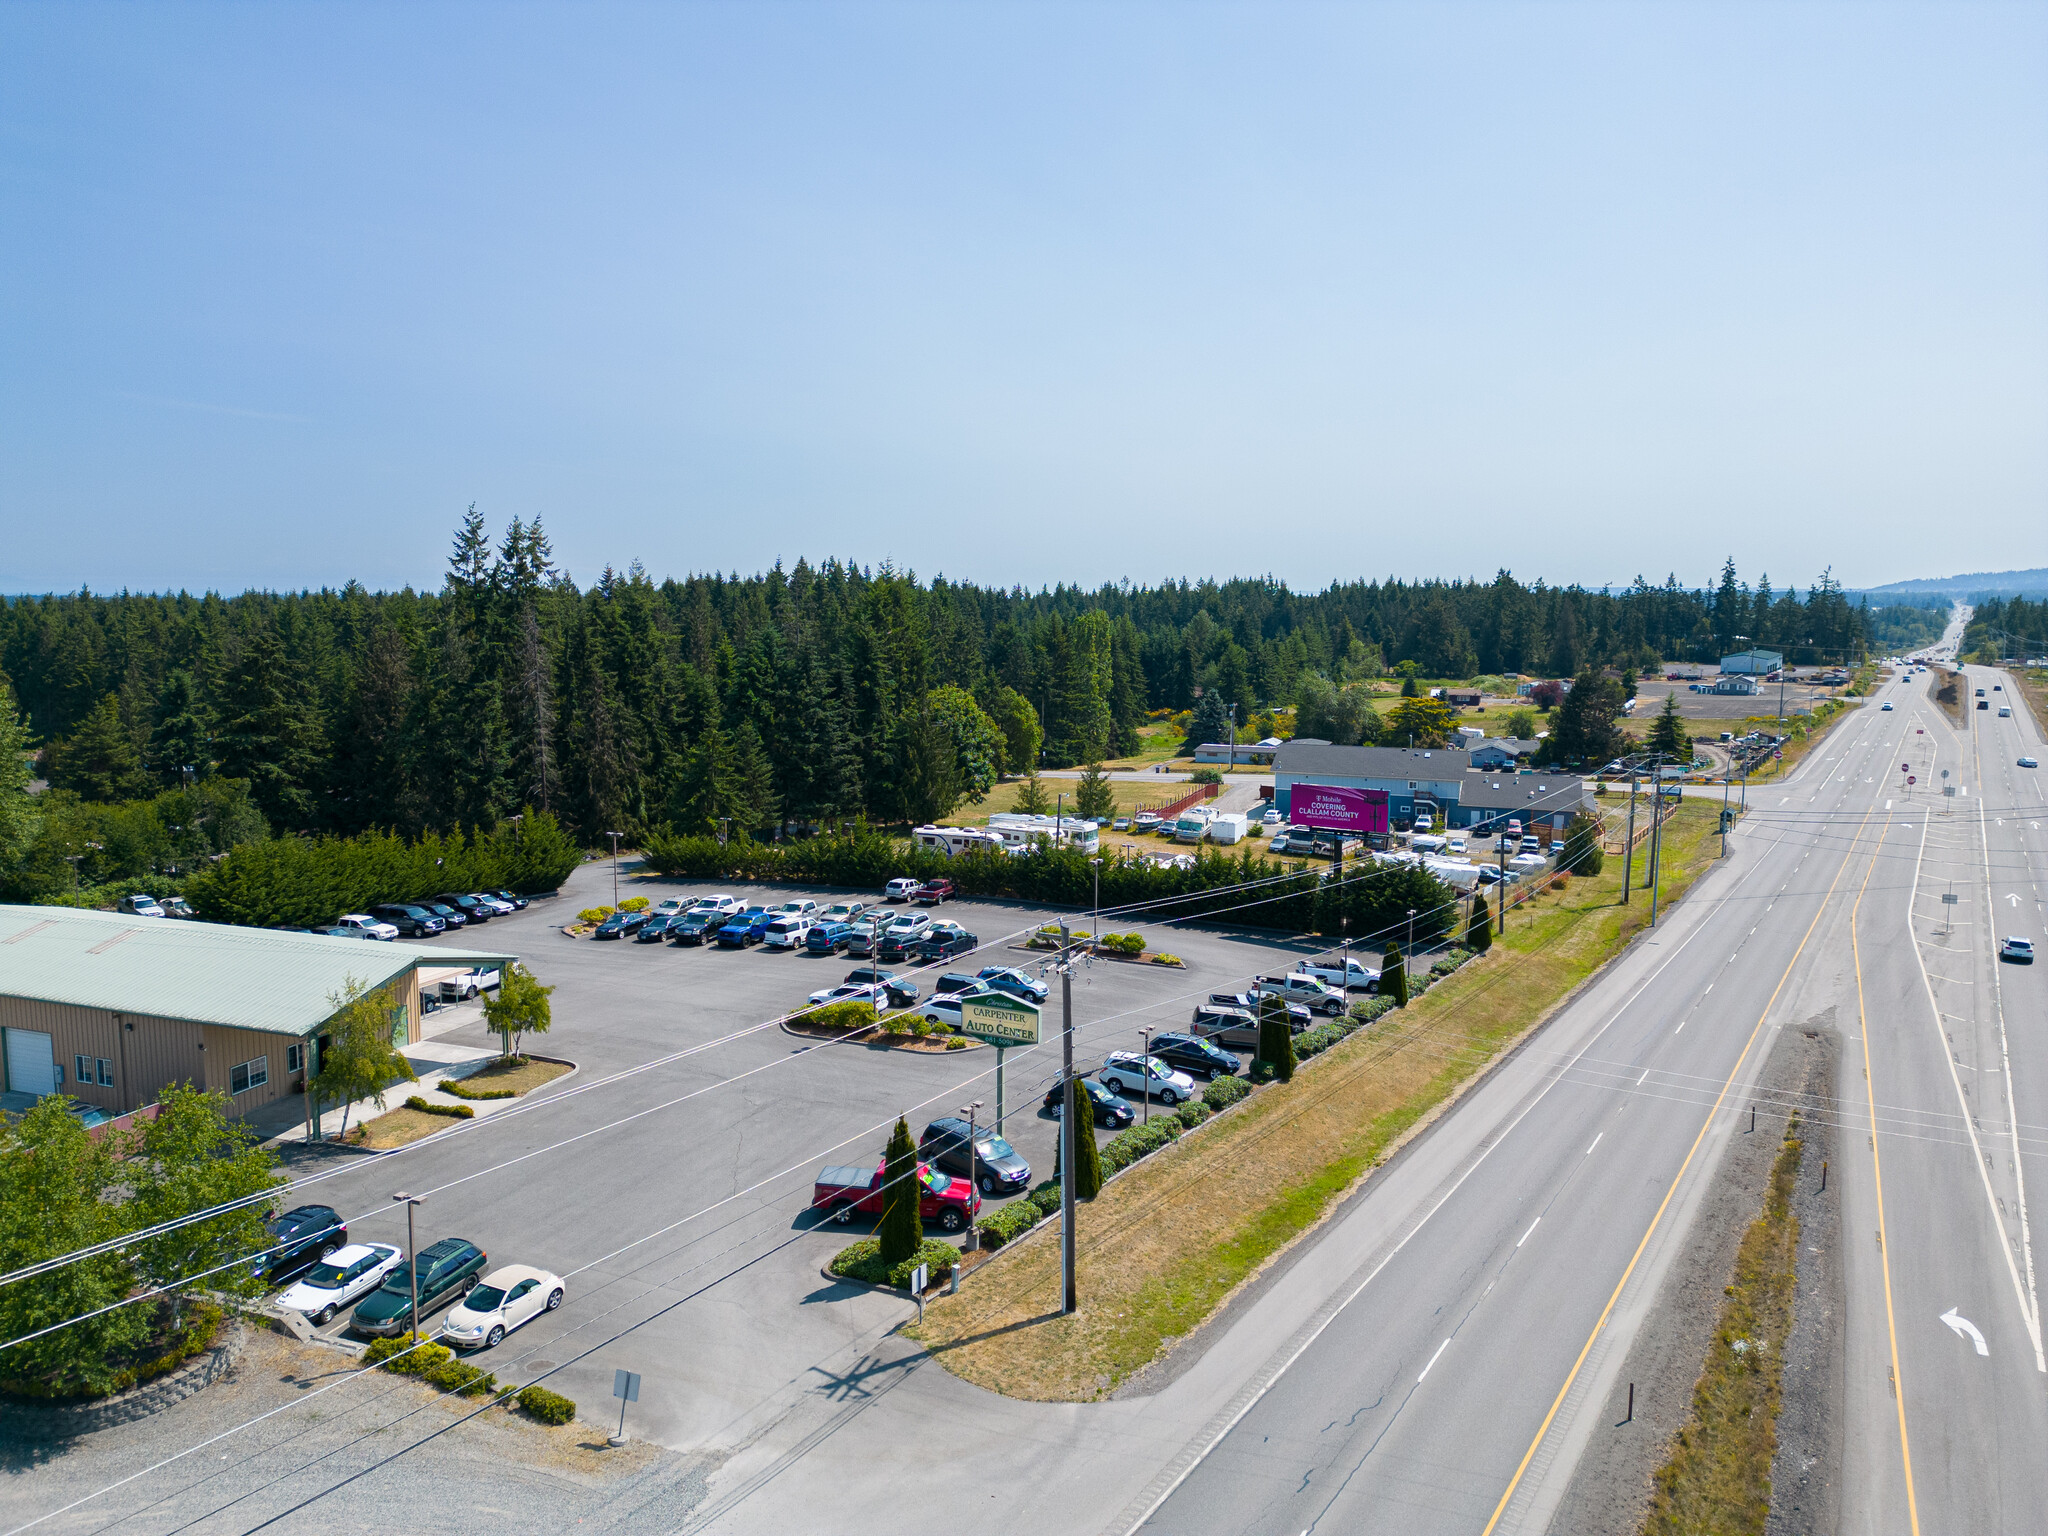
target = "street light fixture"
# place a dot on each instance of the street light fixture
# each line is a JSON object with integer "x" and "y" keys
{"x": 973, "y": 1136}
{"x": 615, "y": 836}
{"x": 412, "y": 1259}
{"x": 1095, "y": 923}
{"x": 1145, "y": 1050}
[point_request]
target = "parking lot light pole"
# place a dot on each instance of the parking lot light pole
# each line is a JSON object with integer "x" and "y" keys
{"x": 970, "y": 1111}
{"x": 412, "y": 1259}
{"x": 1069, "y": 1131}
{"x": 1096, "y": 921}
{"x": 615, "y": 867}
{"x": 1145, "y": 1050}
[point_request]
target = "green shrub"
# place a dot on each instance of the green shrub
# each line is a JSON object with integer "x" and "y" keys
{"x": 1192, "y": 1113}
{"x": 634, "y": 904}
{"x": 452, "y": 1111}
{"x": 399, "y": 1355}
{"x": 462, "y": 1090}
{"x": 1167, "y": 960}
{"x": 593, "y": 914}
{"x": 1126, "y": 1147}
{"x": 548, "y": 1407}
{"x": 1313, "y": 1042}
{"x": 1010, "y": 1223}
{"x": 1205, "y": 776}
{"x": 958, "y": 1045}
{"x": 1224, "y": 1092}
{"x": 841, "y": 1016}
{"x": 1368, "y": 1009}
{"x": 460, "y": 1377}
{"x": 862, "y": 1260}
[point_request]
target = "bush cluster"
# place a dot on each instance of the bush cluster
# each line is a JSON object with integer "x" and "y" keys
{"x": 306, "y": 881}
{"x": 462, "y": 1090}
{"x": 548, "y": 1407}
{"x": 1224, "y": 1092}
{"x": 202, "y": 1323}
{"x": 863, "y": 1261}
{"x": 634, "y": 904}
{"x": 435, "y": 1364}
{"x": 592, "y": 916}
{"x": 836, "y": 1016}
{"x": 1124, "y": 943}
{"x": 452, "y": 1111}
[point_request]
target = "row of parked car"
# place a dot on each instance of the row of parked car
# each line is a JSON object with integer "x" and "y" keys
{"x": 311, "y": 1242}
{"x": 423, "y": 918}
{"x": 844, "y": 927}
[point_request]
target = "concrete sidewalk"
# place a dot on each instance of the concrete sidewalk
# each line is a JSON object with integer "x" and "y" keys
{"x": 436, "y": 1061}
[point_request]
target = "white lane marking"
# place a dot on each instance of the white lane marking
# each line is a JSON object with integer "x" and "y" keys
{"x": 1710, "y": 987}
{"x": 1439, "y": 1351}
{"x": 1678, "y": 1031}
{"x": 1963, "y": 1327}
{"x": 1596, "y": 1139}
{"x": 1644, "y": 1078}
{"x": 1531, "y": 1232}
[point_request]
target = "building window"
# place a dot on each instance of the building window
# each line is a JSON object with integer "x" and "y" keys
{"x": 106, "y": 1073}
{"x": 250, "y": 1074}
{"x": 84, "y": 1068}
{"x": 293, "y": 1054}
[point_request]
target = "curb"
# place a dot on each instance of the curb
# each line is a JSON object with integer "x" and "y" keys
{"x": 884, "y": 1041}
{"x": 886, "y": 1290}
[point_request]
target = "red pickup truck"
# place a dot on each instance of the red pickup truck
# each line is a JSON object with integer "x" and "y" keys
{"x": 932, "y": 892}
{"x": 846, "y": 1192}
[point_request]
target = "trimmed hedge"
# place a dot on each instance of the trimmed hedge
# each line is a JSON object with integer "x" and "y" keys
{"x": 844, "y": 1016}
{"x": 305, "y": 881}
{"x": 434, "y": 1364}
{"x": 548, "y": 1407}
{"x": 462, "y": 1090}
{"x": 1224, "y": 1092}
{"x": 452, "y": 1111}
{"x": 863, "y": 1261}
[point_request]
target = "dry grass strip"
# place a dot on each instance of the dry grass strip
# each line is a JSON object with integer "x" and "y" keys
{"x": 1718, "y": 1479}
{"x": 1166, "y": 1244}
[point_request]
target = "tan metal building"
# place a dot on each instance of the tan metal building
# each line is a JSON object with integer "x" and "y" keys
{"x": 111, "y": 1009}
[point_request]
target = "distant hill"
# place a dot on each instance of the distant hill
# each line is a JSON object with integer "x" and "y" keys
{"x": 1992, "y": 583}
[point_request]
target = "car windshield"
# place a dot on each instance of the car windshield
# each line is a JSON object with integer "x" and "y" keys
{"x": 992, "y": 1147}
{"x": 400, "y": 1279}
{"x": 326, "y": 1277}
{"x": 485, "y": 1298}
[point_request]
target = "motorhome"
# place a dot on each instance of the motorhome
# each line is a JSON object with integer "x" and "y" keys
{"x": 1192, "y": 825}
{"x": 954, "y": 841}
{"x": 1020, "y": 831}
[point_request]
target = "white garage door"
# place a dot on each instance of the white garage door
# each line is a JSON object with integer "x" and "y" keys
{"x": 31, "y": 1065}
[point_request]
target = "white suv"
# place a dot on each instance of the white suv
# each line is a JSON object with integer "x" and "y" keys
{"x": 900, "y": 889}
{"x": 2021, "y": 950}
{"x": 788, "y": 932}
{"x": 364, "y": 927}
{"x": 1129, "y": 1073}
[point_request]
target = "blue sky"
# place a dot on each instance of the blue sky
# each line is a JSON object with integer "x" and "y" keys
{"x": 1023, "y": 293}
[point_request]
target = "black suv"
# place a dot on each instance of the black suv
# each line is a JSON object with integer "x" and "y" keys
{"x": 902, "y": 991}
{"x": 468, "y": 906}
{"x": 955, "y": 981}
{"x": 447, "y": 1270}
{"x": 695, "y": 927}
{"x": 452, "y": 916}
{"x": 298, "y": 1238}
{"x": 413, "y": 921}
{"x": 997, "y": 1170}
{"x": 1194, "y": 1056}
{"x": 1112, "y": 1111}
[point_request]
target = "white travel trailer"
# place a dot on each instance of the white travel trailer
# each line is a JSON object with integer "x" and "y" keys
{"x": 953, "y": 841}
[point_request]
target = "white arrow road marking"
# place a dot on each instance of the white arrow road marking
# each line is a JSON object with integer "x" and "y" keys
{"x": 2013, "y": 899}
{"x": 1963, "y": 1326}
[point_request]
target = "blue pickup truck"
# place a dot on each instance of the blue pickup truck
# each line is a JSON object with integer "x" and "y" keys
{"x": 748, "y": 927}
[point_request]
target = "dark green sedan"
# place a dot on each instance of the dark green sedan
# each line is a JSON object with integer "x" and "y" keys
{"x": 447, "y": 1270}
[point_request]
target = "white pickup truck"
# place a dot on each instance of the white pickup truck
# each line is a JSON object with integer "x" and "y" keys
{"x": 1309, "y": 991}
{"x": 1338, "y": 971}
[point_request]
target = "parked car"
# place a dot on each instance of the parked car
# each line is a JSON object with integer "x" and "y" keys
{"x": 1195, "y": 1056}
{"x": 671, "y": 906}
{"x": 2021, "y": 950}
{"x": 299, "y": 1237}
{"x": 499, "y": 906}
{"x": 827, "y": 937}
{"x": 518, "y": 902}
{"x": 786, "y": 931}
{"x": 910, "y": 925}
{"x": 842, "y": 912}
{"x": 932, "y": 892}
{"x": 176, "y": 906}
{"x": 454, "y": 917}
{"x": 655, "y": 929}
{"x": 846, "y": 1192}
{"x": 468, "y": 906}
{"x": 900, "y": 889}
{"x": 802, "y": 908}
{"x": 362, "y": 926}
{"x": 339, "y": 1279}
{"x": 503, "y": 1300}
{"x": 946, "y": 1011}
{"x": 718, "y": 906}
{"x": 478, "y": 978}
{"x": 994, "y": 1166}
{"x": 901, "y": 990}
{"x": 1130, "y": 1073}
{"x": 850, "y": 992}
{"x": 447, "y": 1269}
{"x": 866, "y": 935}
{"x": 1112, "y": 1112}
{"x": 1530, "y": 843}
{"x": 747, "y": 927}
{"x": 139, "y": 906}
{"x": 943, "y": 942}
{"x": 412, "y": 921}
{"x": 620, "y": 924}
{"x": 954, "y": 982}
{"x": 1248, "y": 1002}
{"x": 1350, "y": 973}
{"x": 1312, "y": 994}
{"x": 1003, "y": 978}
{"x": 695, "y": 926}
{"x": 1236, "y": 1028}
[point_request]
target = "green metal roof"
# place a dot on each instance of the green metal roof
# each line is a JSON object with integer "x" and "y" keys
{"x": 208, "y": 973}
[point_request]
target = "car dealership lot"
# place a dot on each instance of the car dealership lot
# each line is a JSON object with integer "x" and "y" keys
{"x": 668, "y": 1181}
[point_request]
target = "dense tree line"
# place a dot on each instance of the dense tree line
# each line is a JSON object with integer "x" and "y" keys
{"x": 2011, "y": 626}
{"x": 814, "y": 695}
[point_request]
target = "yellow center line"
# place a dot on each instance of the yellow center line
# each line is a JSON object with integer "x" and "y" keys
{"x": 1648, "y": 1232}
{"x": 1884, "y": 1247}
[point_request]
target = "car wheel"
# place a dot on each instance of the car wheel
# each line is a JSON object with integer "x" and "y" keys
{"x": 324, "y": 1316}
{"x": 950, "y": 1221}
{"x": 988, "y": 1185}
{"x": 494, "y": 1338}
{"x": 843, "y": 1212}
{"x": 468, "y": 1284}
{"x": 1168, "y": 1097}
{"x": 327, "y": 1248}
{"x": 554, "y": 1298}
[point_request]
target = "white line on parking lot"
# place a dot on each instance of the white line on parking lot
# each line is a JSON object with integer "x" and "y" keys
{"x": 1433, "y": 1360}
{"x": 1596, "y": 1139}
{"x": 1531, "y": 1232}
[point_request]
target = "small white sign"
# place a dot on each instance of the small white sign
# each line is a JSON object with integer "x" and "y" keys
{"x": 917, "y": 1282}
{"x": 626, "y": 1385}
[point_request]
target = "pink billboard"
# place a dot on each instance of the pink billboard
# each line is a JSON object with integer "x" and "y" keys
{"x": 1338, "y": 808}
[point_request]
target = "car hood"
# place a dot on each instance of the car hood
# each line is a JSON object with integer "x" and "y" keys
{"x": 303, "y": 1297}
{"x": 461, "y": 1316}
{"x": 382, "y": 1305}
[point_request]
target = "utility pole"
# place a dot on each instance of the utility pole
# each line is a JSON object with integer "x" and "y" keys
{"x": 971, "y": 1110}
{"x": 412, "y": 1260}
{"x": 1656, "y": 847}
{"x": 1069, "y": 1131}
{"x": 614, "y": 836}
{"x": 1628, "y": 847}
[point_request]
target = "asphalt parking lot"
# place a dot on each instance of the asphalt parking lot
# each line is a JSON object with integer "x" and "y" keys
{"x": 668, "y": 1181}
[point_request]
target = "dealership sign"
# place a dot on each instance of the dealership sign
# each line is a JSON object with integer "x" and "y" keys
{"x": 1001, "y": 1019}
{"x": 1336, "y": 808}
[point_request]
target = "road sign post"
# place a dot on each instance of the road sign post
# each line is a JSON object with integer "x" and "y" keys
{"x": 918, "y": 1278}
{"x": 626, "y": 1388}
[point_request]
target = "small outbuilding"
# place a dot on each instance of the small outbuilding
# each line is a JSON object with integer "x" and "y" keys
{"x": 1753, "y": 663}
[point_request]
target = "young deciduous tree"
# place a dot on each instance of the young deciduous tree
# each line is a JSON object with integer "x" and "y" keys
{"x": 520, "y": 1009}
{"x": 901, "y": 1231}
{"x": 360, "y": 1060}
{"x": 192, "y": 1157}
{"x": 1429, "y": 721}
